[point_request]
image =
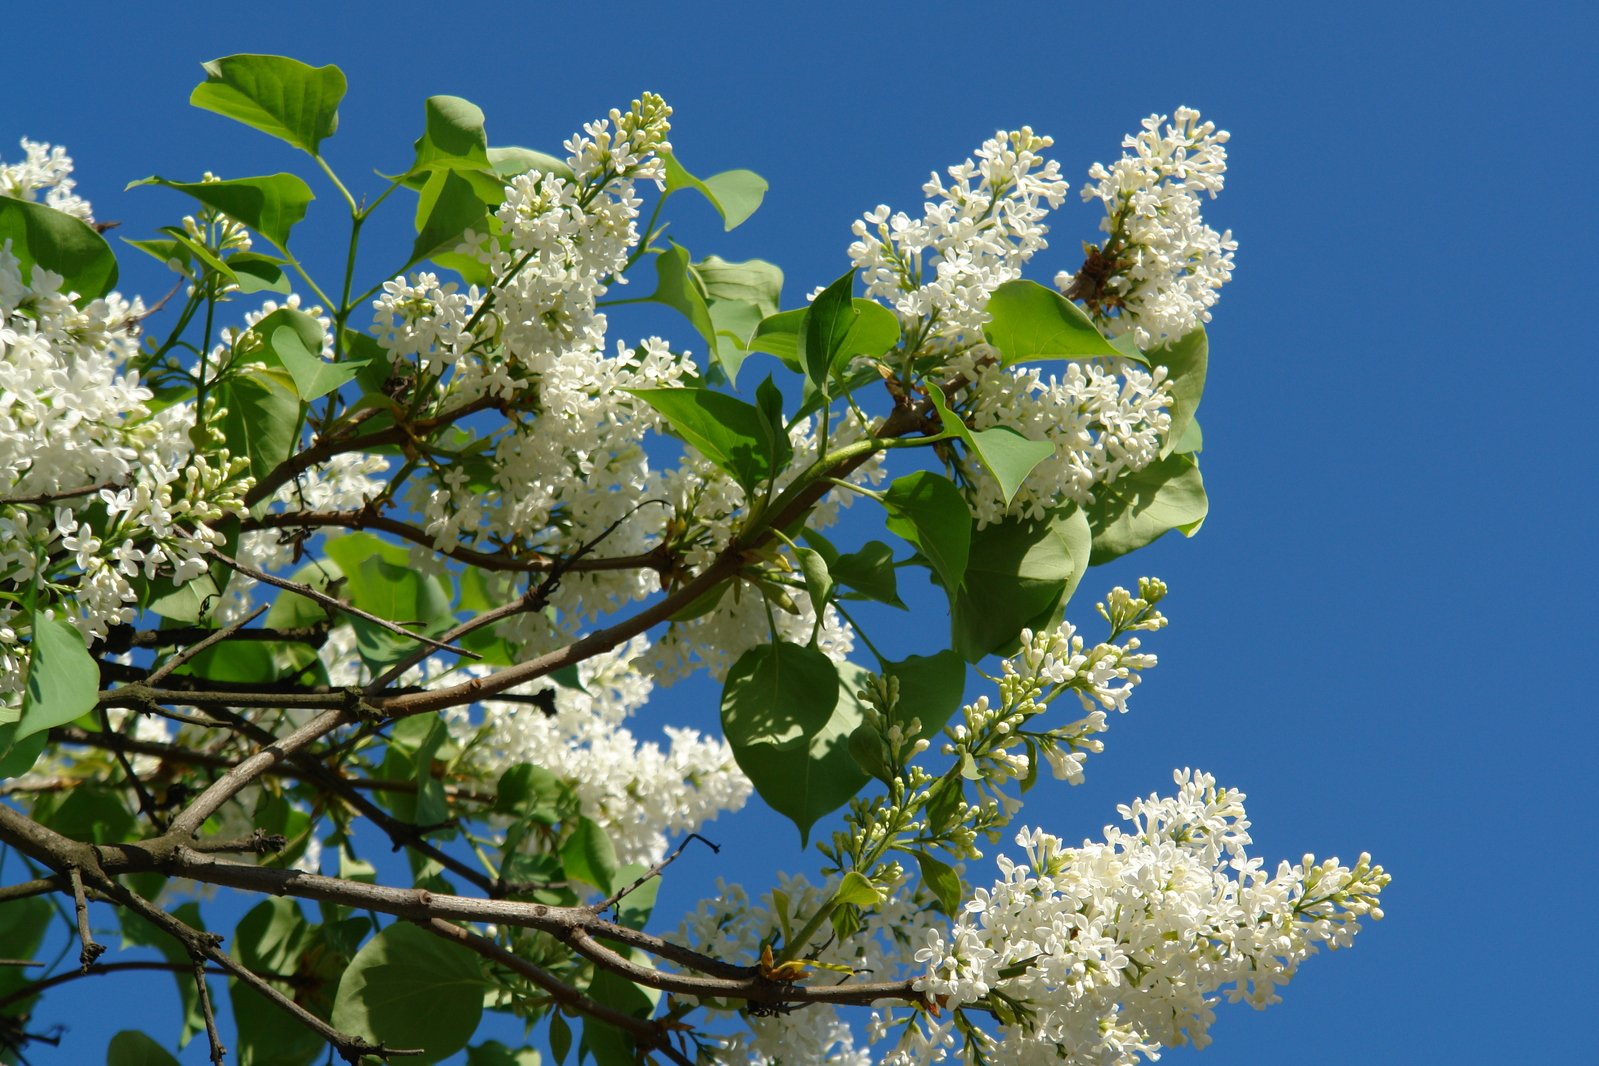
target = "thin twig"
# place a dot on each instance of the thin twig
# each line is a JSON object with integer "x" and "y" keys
{"x": 46, "y": 498}
{"x": 247, "y": 770}
{"x": 91, "y": 950}
{"x": 334, "y": 604}
{"x": 195, "y": 649}
{"x": 644, "y": 1031}
{"x": 147, "y": 805}
{"x": 654, "y": 871}
{"x": 259, "y": 842}
{"x": 203, "y": 991}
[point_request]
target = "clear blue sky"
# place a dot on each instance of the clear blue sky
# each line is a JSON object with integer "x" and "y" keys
{"x": 1382, "y": 634}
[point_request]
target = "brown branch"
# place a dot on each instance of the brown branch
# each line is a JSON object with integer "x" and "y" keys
{"x": 46, "y": 983}
{"x": 229, "y": 784}
{"x": 123, "y": 638}
{"x": 332, "y": 603}
{"x": 654, "y": 871}
{"x": 203, "y": 991}
{"x": 44, "y": 499}
{"x": 328, "y": 447}
{"x": 656, "y": 559}
{"x": 195, "y": 649}
{"x": 80, "y": 904}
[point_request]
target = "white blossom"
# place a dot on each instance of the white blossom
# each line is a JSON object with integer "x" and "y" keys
{"x": 1162, "y": 264}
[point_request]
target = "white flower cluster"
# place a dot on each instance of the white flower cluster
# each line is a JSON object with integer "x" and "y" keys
{"x": 96, "y": 490}
{"x": 1102, "y": 422}
{"x": 1162, "y": 265}
{"x": 1116, "y": 949}
{"x": 46, "y": 170}
{"x": 712, "y": 501}
{"x": 577, "y": 468}
{"x": 635, "y": 791}
{"x": 975, "y": 233}
{"x": 729, "y": 926}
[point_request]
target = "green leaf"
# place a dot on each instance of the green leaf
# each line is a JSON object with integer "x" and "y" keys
{"x": 270, "y": 204}
{"x": 133, "y": 1048}
{"x": 735, "y": 194}
{"x": 677, "y": 288}
{"x": 1185, "y": 360}
{"x": 590, "y": 857}
{"x": 824, "y": 328}
{"x": 1140, "y": 506}
{"x": 778, "y": 695}
{"x": 58, "y": 242}
{"x": 277, "y": 95}
{"x": 869, "y": 570}
{"x": 942, "y": 881}
{"x": 1191, "y": 441}
{"x": 818, "y": 582}
{"x": 1006, "y": 454}
{"x": 263, "y": 417}
{"x": 788, "y": 712}
{"x": 63, "y": 678}
{"x": 257, "y": 273}
{"x": 1029, "y": 321}
{"x": 736, "y": 436}
{"x": 853, "y": 888}
{"x": 1021, "y": 575}
{"x": 754, "y": 282}
{"x": 449, "y": 205}
{"x": 409, "y": 989}
{"x": 314, "y": 377}
{"x": 510, "y": 161}
{"x": 875, "y": 331}
{"x": 737, "y": 297}
{"x": 452, "y": 136}
{"x": 494, "y": 1053}
{"x": 930, "y": 512}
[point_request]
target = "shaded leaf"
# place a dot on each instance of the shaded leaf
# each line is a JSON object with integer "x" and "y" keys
{"x": 930, "y": 512}
{"x": 1021, "y": 575}
{"x": 410, "y": 989}
{"x": 1140, "y": 506}
{"x": 60, "y": 243}
{"x": 1185, "y": 361}
{"x": 270, "y": 204}
{"x": 589, "y": 856}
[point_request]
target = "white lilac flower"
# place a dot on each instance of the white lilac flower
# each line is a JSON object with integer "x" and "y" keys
{"x": 728, "y": 925}
{"x": 48, "y": 170}
{"x": 638, "y": 792}
{"x": 1121, "y": 947}
{"x": 111, "y": 489}
{"x": 975, "y": 233}
{"x": 1159, "y": 270}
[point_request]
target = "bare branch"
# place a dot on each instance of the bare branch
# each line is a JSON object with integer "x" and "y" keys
{"x": 228, "y": 785}
{"x": 90, "y": 950}
{"x": 332, "y": 603}
{"x": 195, "y": 649}
{"x": 203, "y": 991}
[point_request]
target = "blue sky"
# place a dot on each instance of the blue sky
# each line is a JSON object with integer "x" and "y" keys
{"x": 1379, "y": 635}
